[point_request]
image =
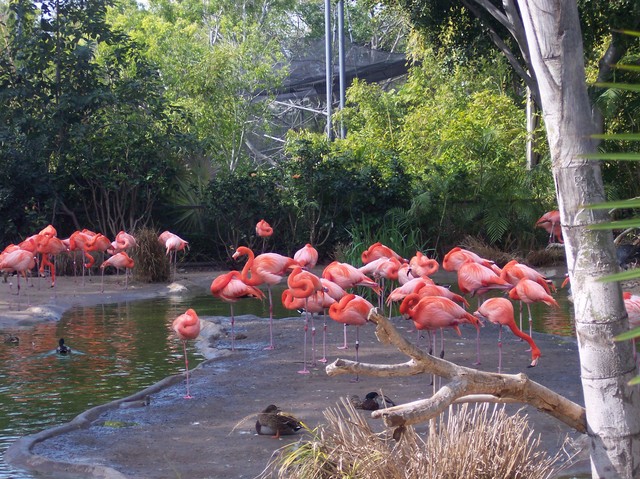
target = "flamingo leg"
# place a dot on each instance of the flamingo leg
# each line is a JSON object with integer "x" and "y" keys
{"x": 271, "y": 346}
{"x": 357, "y": 378}
{"x": 323, "y": 359}
{"x": 313, "y": 343}
{"x": 233, "y": 332}
{"x": 477, "y": 347}
{"x": 500, "y": 349}
{"x": 186, "y": 365}
{"x": 344, "y": 345}
{"x": 304, "y": 369}
{"x": 530, "y": 322}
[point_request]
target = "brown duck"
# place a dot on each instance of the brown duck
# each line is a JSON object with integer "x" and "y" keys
{"x": 273, "y": 421}
{"x": 371, "y": 402}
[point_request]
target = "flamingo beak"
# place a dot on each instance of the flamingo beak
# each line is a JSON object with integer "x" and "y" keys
{"x": 533, "y": 363}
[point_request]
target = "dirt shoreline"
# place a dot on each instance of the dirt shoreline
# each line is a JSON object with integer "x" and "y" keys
{"x": 160, "y": 434}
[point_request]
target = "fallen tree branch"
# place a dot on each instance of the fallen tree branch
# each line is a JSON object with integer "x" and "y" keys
{"x": 466, "y": 384}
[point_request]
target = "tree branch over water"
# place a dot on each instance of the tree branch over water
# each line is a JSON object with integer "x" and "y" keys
{"x": 465, "y": 384}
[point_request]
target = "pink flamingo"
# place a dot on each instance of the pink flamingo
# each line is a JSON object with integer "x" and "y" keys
{"x": 230, "y": 288}
{"x": 514, "y": 272}
{"x": 528, "y": 291}
{"x": 335, "y": 292}
{"x": 434, "y": 312}
{"x": 123, "y": 242}
{"x": 303, "y": 284}
{"x": 264, "y": 230}
{"x": 354, "y": 310}
{"x": 500, "y": 311}
{"x": 119, "y": 261}
{"x": 347, "y": 276}
{"x": 20, "y": 261}
{"x": 187, "y": 326}
{"x": 49, "y": 246}
{"x": 550, "y": 221}
{"x": 421, "y": 265}
{"x": 172, "y": 243}
{"x": 378, "y": 250}
{"x": 477, "y": 279}
{"x": 457, "y": 256}
{"x": 268, "y": 268}
{"x": 307, "y": 256}
{"x": 382, "y": 269}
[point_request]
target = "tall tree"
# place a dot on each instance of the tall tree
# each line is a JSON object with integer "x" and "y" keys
{"x": 554, "y": 41}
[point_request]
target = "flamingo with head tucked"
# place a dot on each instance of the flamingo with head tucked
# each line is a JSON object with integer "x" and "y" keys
{"x": 186, "y": 327}
{"x": 354, "y": 310}
{"x": 304, "y": 284}
{"x": 307, "y": 256}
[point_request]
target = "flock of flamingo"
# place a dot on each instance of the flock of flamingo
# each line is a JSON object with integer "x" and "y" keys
{"x": 430, "y": 306}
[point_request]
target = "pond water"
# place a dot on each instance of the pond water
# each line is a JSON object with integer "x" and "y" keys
{"x": 119, "y": 349}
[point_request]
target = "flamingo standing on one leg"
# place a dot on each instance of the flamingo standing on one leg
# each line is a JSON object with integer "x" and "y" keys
{"x": 172, "y": 243}
{"x": 352, "y": 309}
{"x": 264, "y": 230}
{"x": 303, "y": 284}
{"x": 307, "y": 256}
{"x": 118, "y": 261}
{"x": 230, "y": 288}
{"x": 332, "y": 293}
{"x": 500, "y": 311}
{"x": 268, "y": 268}
{"x": 187, "y": 326}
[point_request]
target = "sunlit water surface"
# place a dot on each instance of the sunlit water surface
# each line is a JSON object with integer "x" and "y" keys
{"x": 119, "y": 349}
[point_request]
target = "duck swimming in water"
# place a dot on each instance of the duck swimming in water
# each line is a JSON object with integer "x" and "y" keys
{"x": 273, "y": 421}
{"x": 62, "y": 348}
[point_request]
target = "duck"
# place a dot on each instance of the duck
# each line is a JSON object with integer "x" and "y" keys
{"x": 276, "y": 422}
{"x": 62, "y": 348}
{"x": 371, "y": 402}
{"x": 10, "y": 338}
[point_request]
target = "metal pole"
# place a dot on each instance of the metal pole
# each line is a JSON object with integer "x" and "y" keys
{"x": 328, "y": 62}
{"x": 341, "y": 64}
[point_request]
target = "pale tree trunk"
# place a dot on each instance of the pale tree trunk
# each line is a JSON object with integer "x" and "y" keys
{"x": 612, "y": 406}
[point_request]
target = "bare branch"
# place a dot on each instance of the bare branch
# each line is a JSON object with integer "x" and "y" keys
{"x": 466, "y": 384}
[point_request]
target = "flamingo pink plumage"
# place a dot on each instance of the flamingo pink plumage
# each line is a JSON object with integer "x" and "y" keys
{"x": 172, "y": 244}
{"x": 550, "y": 221}
{"x": 354, "y": 310}
{"x": 264, "y": 229}
{"x": 348, "y": 276}
{"x": 304, "y": 284}
{"x": 500, "y": 311}
{"x": 378, "y": 250}
{"x": 119, "y": 261}
{"x": 457, "y": 256}
{"x": 123, "y": 242}
{"x": 421, "y": 265}
{"x": 434, "y": 312}
{"x": 18, "y": 260}
{"x": 49, "y": 246}
{"x": 186, "y": 327}
{"x": 528, "y": 291}
{"x": 230, "y": 288}
{"x": 307, "y": 256}
{"x": 267, "y": 268}
{"x": 477, "y": 279}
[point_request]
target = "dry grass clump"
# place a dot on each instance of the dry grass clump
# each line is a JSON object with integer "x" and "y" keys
{"x": 489, "y": 252}
{"x": 151, "y": 263}
{"x": 550, "y": 256}
{"x": 473, "y": 442}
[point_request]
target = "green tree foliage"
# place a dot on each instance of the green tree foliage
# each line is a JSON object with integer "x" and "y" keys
{"x": 85, "y": 120}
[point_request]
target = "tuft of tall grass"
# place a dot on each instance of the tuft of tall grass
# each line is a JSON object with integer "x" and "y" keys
{"x": 151, "y": 262}
{"x": 475, "y": 441}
